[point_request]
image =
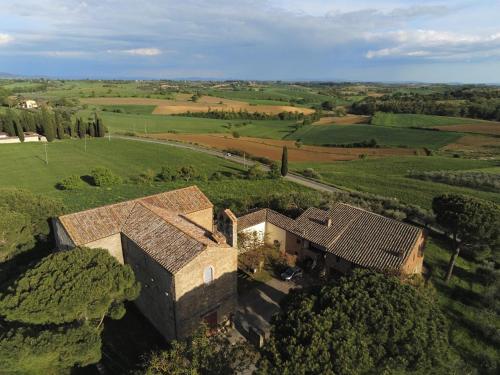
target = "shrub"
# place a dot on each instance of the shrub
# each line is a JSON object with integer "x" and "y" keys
{"x": 255, "y": 172}
{"x": 147, "y": 177}
{"x": 73, "y": 182}
{"x": 216, "y": 176}
{"x": 102, "y": 176}
{"x": 167, "y": 174}
{"x": 187, "y": 172}
{"x": 311, "y": 173}
{"x": 236, "y": 134}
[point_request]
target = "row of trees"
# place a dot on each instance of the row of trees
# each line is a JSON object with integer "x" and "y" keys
{"x": 244, "y": 114}
{"x": 472, "y": 104}
{"x": 51, "y": 124}
{"x": 476, "y": 180}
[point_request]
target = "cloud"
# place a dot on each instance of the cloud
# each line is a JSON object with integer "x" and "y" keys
{"x": 5, "y": 39}
{"x": 432, "y": 44}
{"x": 143, "y": 51}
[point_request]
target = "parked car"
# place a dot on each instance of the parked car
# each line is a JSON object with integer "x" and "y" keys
{"x": 291, "y": 273}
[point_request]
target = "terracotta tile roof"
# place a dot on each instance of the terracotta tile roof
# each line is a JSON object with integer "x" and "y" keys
{"x": 264, "y": 215}
{"x": 90, "y": 225}
{"x": 358, "y": 236}
{"x": 172, "y": 240}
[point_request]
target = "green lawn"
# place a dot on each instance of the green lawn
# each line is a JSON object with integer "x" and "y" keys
{"x": 403, "y": 120}
{"x": 461, "y": 302}
{"x": 386, "y": 136}
{"x": 23, "y": 166}
{"x": 141, "y": 123}
{"x": 387, "y": 176}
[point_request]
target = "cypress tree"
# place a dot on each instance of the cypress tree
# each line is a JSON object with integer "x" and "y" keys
{"x": 48, "y": 125}
{"x": 59, "y": 126}
{"x": 19, "y": 131}
{"x": 91, "y": 128}
{"x": 8, "y": 123}
{"x": 284, "y": 162}
{"x": 100, "y": 129}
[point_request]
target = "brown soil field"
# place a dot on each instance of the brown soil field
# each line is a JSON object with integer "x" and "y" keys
{"x": 345, "y": 120}
{"x": 474, "y": 143}
{"x": 182, "y": 104}
{"x": 492, "y": 128}
{"x": 272, "y": 149}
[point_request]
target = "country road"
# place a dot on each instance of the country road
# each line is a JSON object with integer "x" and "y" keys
{"x": 293, "y": 177}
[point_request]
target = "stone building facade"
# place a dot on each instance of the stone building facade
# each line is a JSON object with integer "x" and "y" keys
{"x": 339, "y": 239}
{"x": 186, "y": 267}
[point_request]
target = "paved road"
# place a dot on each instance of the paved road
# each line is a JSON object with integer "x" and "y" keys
{"x": 237, "y": 159}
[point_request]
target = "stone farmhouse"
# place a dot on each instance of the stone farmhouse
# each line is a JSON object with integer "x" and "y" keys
{"x": 187, "y": 264}
{"x": 186, "y": 267}
{"x": 28, "y": 104}
{"x": 339, "y": 239}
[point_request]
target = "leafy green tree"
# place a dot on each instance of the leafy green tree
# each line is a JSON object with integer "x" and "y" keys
{"x": 187, "y": 172}
{"x": 255, "y": 172}
{"x": 33, "y": 350}
{"x": 78, "y": 285}
{"x": 472, "y": 222}
{"x": 284, "y": 162}
{"x": 167, "y": 174}
{"x": 274, "y": 172}
{"x": 201, "y": 355}
{"x": 365, "y": 323}
{"x": 102, "y": 176}
{"x": 16, "y": 233}
{"x": 39, "y": 208}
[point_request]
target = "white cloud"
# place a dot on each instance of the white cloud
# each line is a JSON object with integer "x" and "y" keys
{"x": 142, "y": 51}
{"x": 432, "y": 44}
{"x": 5, "y": 39}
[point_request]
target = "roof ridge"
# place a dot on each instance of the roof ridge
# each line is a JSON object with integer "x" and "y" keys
{"x": 135, "y": 200}
{"x": 152, "y": 209}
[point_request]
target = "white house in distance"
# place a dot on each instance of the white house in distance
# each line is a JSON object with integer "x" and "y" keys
{"x": 28, "y": 137}
{"x": 28, "y": 104}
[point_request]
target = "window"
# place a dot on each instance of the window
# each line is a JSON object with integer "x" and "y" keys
{"x": 208, "y": 275}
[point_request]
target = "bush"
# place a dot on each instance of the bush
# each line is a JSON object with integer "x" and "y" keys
{"x": 255, "y": 172}
{"x": 167, "y": 174}
{"x": 311, "y": 173}
{"x": 147, "y": 177}
{"x": 216, "y": 176}
{"x": 236, "y": 134}
{"x": 102, "y": 176}
{"x": 73, "y": 182}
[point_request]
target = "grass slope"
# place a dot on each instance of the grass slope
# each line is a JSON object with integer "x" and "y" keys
{"x": 23, "y": 166}
{"x": 403, "y": 120}
{"x": 386, "y": 136}
{"x": 387, "y": 176}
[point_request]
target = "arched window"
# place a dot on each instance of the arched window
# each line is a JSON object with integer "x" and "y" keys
{"x": 208, "y": 275}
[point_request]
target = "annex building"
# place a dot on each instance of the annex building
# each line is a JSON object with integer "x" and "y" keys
{"x": 339, "y": 239}
{"x": 186, "y": 267}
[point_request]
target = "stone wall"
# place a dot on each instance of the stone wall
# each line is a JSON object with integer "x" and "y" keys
{"x": 195, "y": 299}
{"x": 274, "y": 233}
{"x": 112, "y": 243}
{"x": 415, "y": 260}
{"x": 203, "y": 218}
{"x": 157, "y": 289}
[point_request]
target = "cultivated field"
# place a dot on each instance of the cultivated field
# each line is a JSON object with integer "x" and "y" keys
{"x": 183, "y": 104}
{"x": 386, "y": 136}
{"x": 491, "y": 128}
{"x": 272, "y": 149}
{"x": 388, "y": 176}
{"x": 344, "y": 120}
{"x": 403, "y": 120}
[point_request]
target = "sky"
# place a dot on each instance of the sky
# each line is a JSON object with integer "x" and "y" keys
{"x": 388, "y": 40}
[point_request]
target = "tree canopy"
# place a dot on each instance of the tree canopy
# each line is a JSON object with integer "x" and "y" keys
{"x": 366, "y": 323}
{"x": 82, "y": 284}
{"x": 473, "y": 223}
{"x": 201, "y": 355}
{"x": 51, "y": 316}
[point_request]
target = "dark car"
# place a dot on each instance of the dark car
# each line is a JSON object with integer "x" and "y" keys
{"x": 291, "y": 273}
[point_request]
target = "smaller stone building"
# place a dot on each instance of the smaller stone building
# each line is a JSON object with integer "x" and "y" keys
{"x": 339, "y": 239}
{"x": 186, "y": 267}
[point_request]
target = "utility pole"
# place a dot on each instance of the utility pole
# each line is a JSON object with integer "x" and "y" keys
{"x": 85, "y": 138}
{"x": 109, "y": 135}
{"x": 244, "y": 161}
{"x": 46, "y": 155}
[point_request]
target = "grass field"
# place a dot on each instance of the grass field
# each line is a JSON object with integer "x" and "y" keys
{"x": 387, "y": 176}
{"x": 386, "y": 136}
{"x": 23, "y": 166}
{"x": 122, "y": 122}
{"x": 129, "y": 109}
{"x": 403, "y": 120}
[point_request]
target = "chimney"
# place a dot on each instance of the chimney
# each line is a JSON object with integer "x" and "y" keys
{"x": 328, "y": 222}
